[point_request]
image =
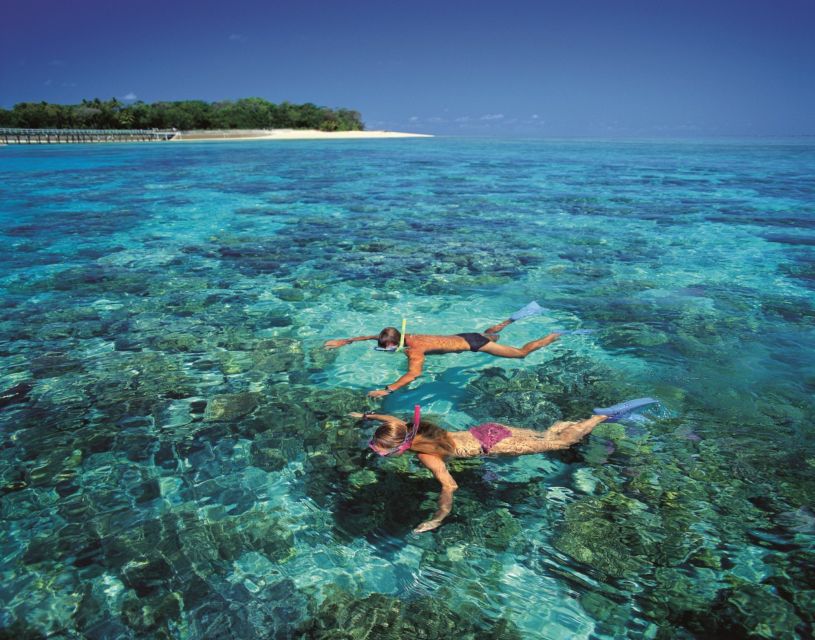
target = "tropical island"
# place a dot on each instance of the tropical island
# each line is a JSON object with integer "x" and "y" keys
{"x": 184, "y": 115}
{"x": 244, "y": 119}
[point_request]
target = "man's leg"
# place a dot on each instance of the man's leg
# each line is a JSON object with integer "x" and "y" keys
{"x": 492, "y": 332}
{"x": 504, "y": 351}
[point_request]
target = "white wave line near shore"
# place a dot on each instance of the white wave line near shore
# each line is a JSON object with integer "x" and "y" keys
{"x": 288, "y": 134}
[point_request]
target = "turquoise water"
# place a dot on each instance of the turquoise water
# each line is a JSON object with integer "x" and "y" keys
{"x": 177, "y": 460}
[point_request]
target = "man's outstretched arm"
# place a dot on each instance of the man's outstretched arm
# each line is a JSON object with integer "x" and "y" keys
{"x": 341, "y": 342}
{"x": 415, "y": 364}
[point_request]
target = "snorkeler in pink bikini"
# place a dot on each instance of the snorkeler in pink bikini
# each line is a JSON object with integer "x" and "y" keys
{"x": 434, "y": 445}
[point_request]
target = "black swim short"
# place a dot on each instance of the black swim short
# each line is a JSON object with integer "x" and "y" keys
{"x": 475, "y": 340}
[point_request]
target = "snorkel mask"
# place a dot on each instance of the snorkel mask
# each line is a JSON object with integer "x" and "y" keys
{"x": 401, "y": 346}
{"x": 409, "y": 436}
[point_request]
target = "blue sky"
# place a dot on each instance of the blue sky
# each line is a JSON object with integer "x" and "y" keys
{"x": 631, "y": 68}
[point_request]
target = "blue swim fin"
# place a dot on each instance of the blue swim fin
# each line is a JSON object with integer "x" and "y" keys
{"x": 619, "y": 411}
{"x": 532, "y": 309}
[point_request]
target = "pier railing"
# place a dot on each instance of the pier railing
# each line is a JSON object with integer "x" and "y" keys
{"x": 63, "y": 136}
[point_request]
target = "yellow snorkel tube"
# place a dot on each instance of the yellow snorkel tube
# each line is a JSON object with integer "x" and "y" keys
{"x": 402, "y": 337}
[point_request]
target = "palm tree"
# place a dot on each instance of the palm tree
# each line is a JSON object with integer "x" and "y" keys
{"x": 126, "y": 118}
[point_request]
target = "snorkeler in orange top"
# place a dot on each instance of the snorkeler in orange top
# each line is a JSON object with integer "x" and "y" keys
{"x": 418, "y": 346}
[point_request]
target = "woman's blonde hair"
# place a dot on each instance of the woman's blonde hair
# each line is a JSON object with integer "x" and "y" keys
{"x": 429, "y": 438}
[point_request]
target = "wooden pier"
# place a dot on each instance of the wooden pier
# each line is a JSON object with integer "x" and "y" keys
{"x": 74, "y": 136}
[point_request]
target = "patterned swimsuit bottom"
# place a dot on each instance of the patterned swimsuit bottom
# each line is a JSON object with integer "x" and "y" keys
{"x": 489, "y": 434}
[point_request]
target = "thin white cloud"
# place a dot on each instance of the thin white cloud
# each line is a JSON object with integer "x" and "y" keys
{"x": 47, "y": 83}
{"x": 237, "y": 37}
{"x": 57, "y": 63}
{"x": 463, "y": 119}
{"x": 413, "y": 118}
{"x": 493, "y": 116}
{"x": 129, "y": 97}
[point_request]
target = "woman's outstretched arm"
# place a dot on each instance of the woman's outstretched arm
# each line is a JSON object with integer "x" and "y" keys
{"x": 448, "y": 486}
{"x": 381, "y": 417}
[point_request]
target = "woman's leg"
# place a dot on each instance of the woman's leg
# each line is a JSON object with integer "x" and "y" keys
{"x": 560, "y": 435}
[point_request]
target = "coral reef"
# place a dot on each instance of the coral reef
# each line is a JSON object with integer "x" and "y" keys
{"x": 178, "y": 460}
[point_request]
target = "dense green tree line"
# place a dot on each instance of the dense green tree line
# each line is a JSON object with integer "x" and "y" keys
{"x": 247, "y": 113}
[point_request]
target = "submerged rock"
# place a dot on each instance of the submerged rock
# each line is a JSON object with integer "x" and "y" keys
{"x": 754, "y": 611}
{"x": 155, "y": 615}
{"x": 277, "y": 610}
{"x": 267, "y": 458}
{"x": 613, "y": 534}
{"x": 362, "y": 477}
{"x": 278, "y": 355}
{"x": 146, "y": 576}
{"x": 178, "y": 342}
{"x": 290, "y": 295}
{"x": 53, "y": 364}
{"x": 231, "y": 406}
{"x": 611, "y": 617}
{"x": 17, "y": 393}
{"x": 252, "y": 531}
{"x": 498, "y": 529}
{"x": 320, "y": 359}
{"x": 566, "y": 388}
{"x": 381, "y": 617}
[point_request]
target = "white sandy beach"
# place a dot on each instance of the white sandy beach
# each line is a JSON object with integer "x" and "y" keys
{"x": 288, "y": 134}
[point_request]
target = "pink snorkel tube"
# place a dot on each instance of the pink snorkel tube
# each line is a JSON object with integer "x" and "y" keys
{"x": 409, "y": 436}
{"x": 417, "y": 412}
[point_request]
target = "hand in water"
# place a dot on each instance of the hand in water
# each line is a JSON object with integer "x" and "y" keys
{"x": 335, "y": 344}
{"x": 377, "y": 393}
{"x": 428, "y": 525}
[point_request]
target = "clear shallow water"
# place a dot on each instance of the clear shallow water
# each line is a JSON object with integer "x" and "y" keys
{"x": 177, "y": 461}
